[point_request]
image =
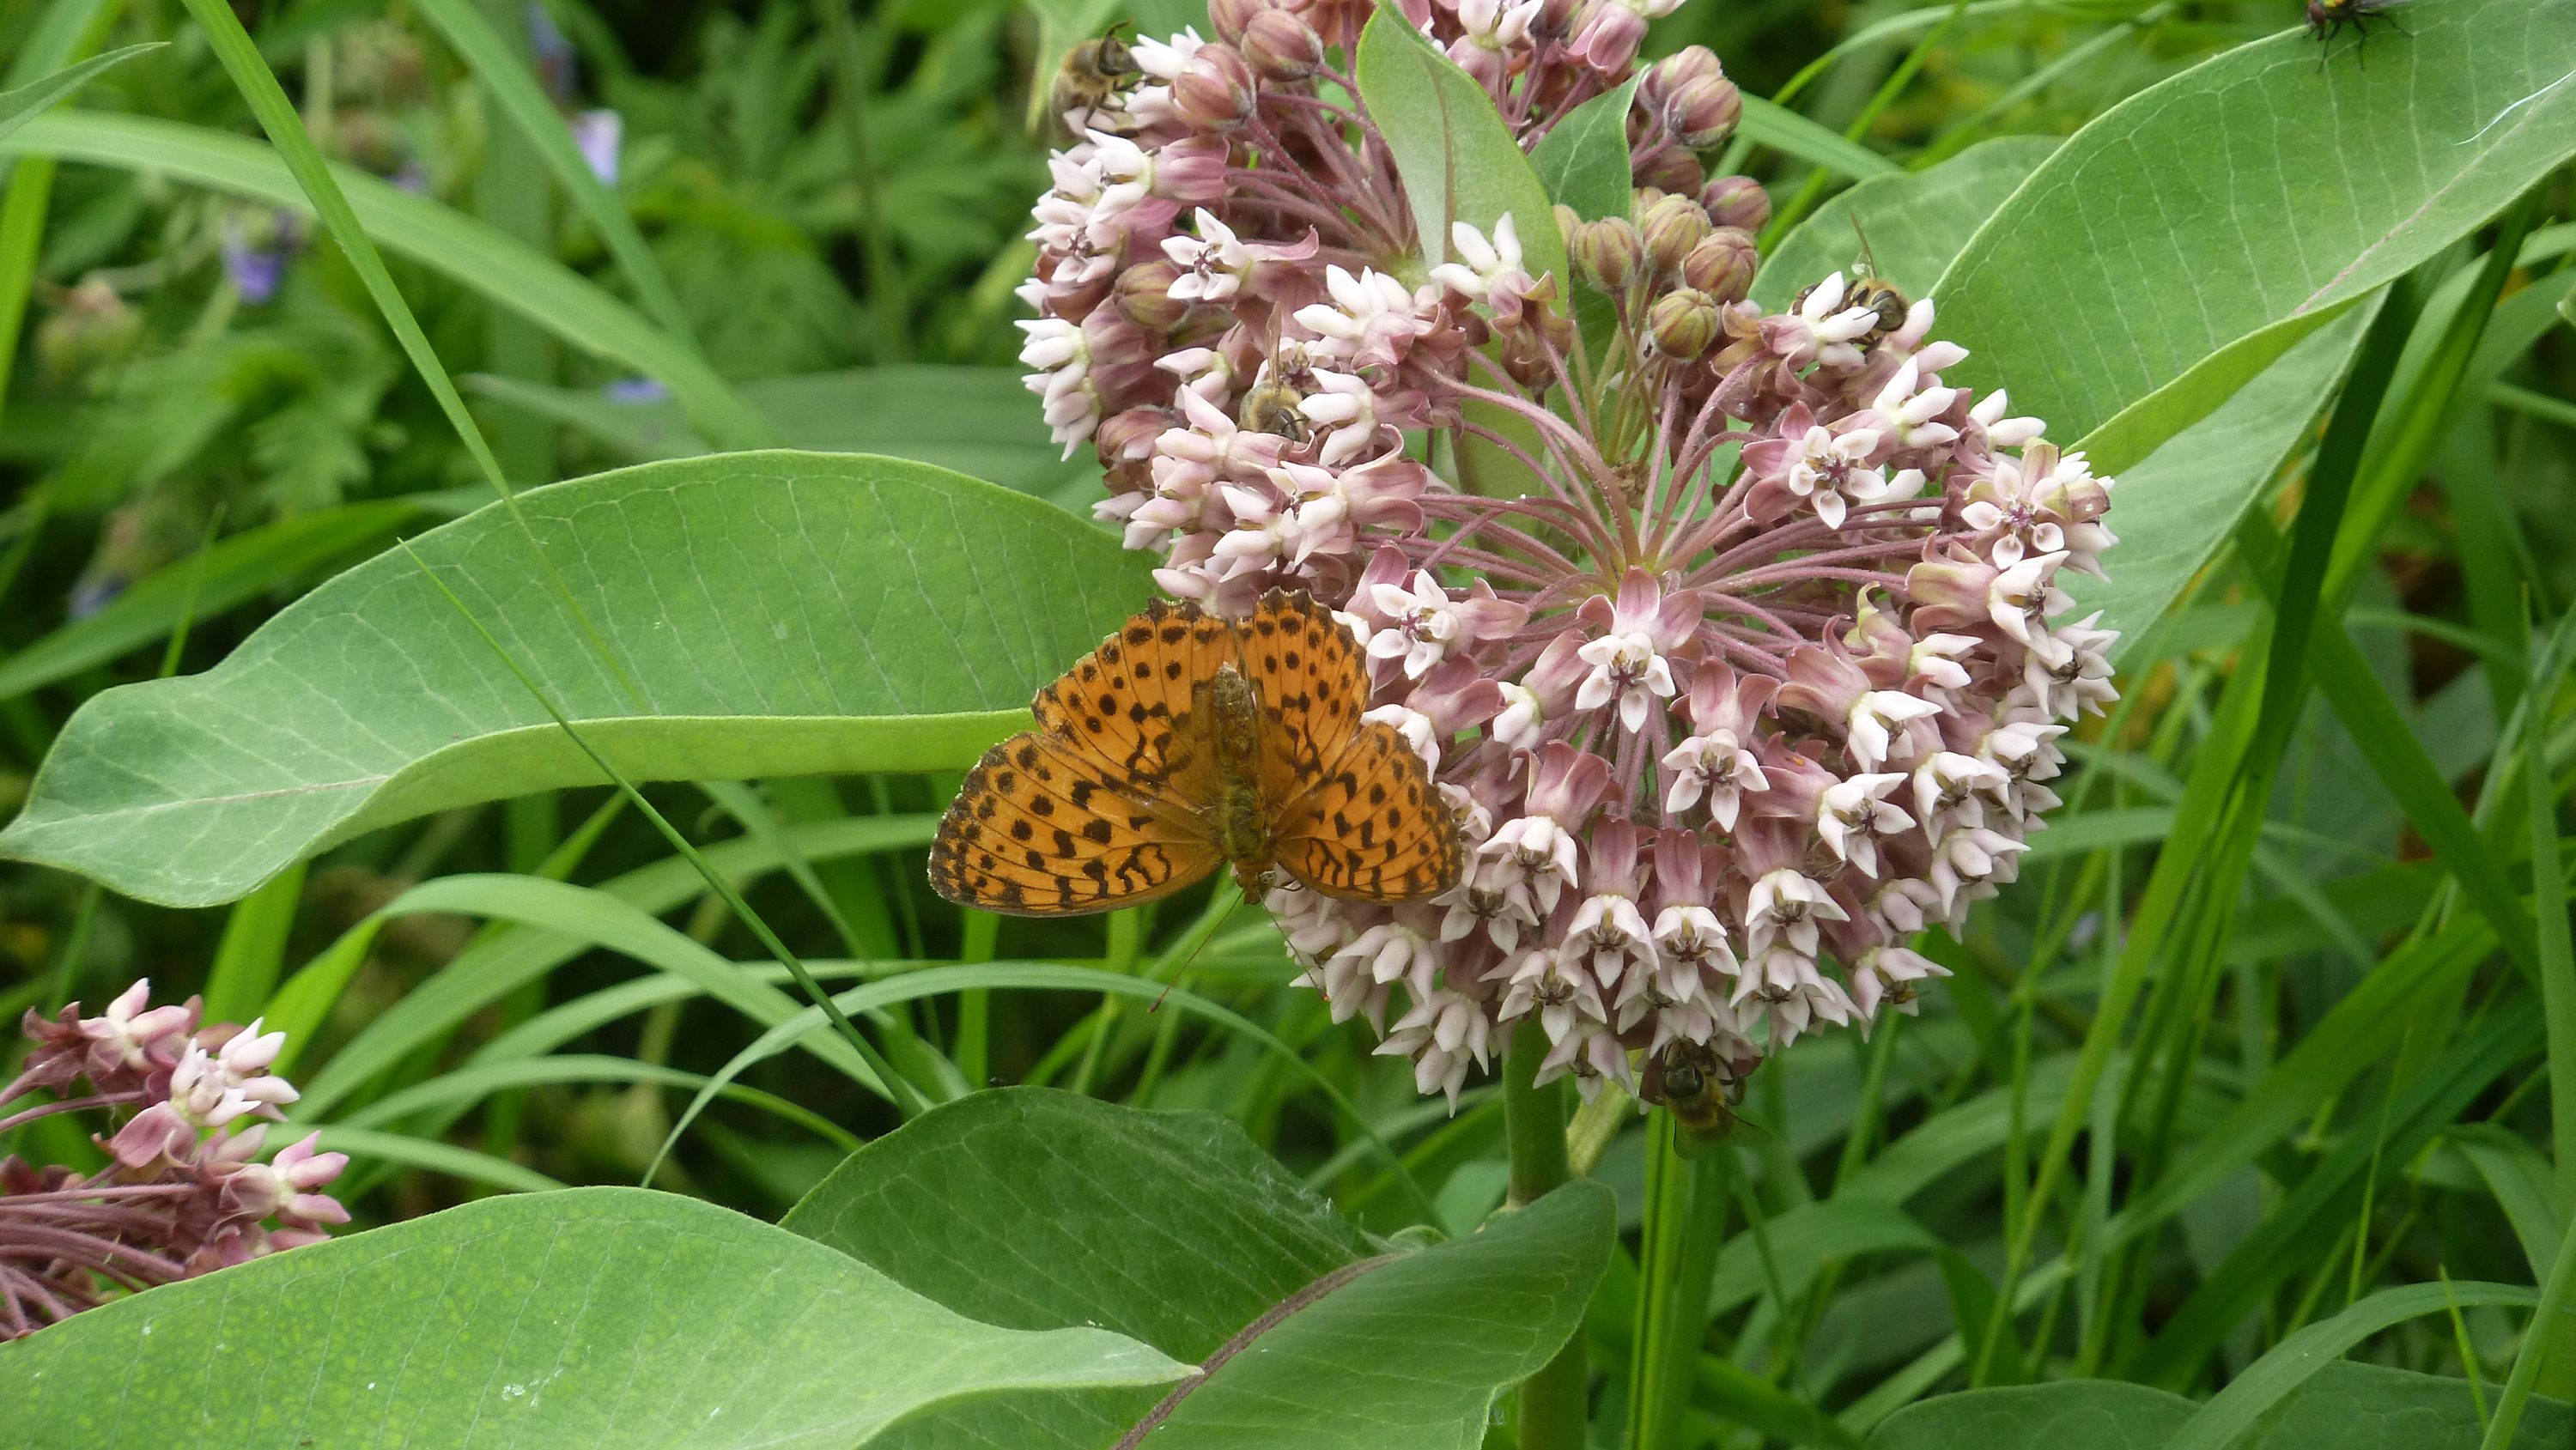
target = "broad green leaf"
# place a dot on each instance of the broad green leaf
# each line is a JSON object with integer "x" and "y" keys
{"x": 2094, "y": 1414}
{"x": 2267, "y": 1382}
{"x": 2352, "y": 1406}
{"x": 1916, "y": 221}
{"x": 2196, "y": 231}
{"x": 1411, "y": 1355}
{"x": 1458, "y": 160}
{"x": 273, "y": 556}
{"x": 1583, "y": 159}
{"x": 2175, "y": 508}
{"x": 596, "y": 1316}
{"x": 780, "y": 614}
{"x": 1791, "y": 134}
{"x": 1170, "y": 1228}
{"x": 441, "y": 238}
{"x": 27, "y": 102}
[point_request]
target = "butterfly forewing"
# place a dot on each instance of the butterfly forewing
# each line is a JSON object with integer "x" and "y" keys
{"x": 1126, "y": 700}
{"x": 1041, "y": 828}
{"x": 1313, "y": 682}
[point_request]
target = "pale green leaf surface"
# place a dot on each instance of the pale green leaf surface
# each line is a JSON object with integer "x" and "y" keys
{"x": 2352, "y": 1406}
{"x": 782, "y": 614}
{"x": 1032, "y": 1208}
{"x": 2194, "y": 232}
{"x": 27, "y": 102}
{"x": 1458, "y": 160}
{"x": 1583, "y": 159}
{"x": 1916, "y": 221}
{"x": 599, "y": 1316}
{"x": 2174, "y": 508}
{"x": 479, "y": 257}
{"x": 1410, "y": 1355}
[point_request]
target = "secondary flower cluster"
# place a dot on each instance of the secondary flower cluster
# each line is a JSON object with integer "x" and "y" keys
{"x": 184, "y": 1192}
{"x": 1757, "y": 669}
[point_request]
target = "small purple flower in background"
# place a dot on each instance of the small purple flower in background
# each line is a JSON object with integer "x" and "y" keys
{"x": 599, "y": 134}
{"x": 1722, "y": 738}
{"x": 558, "y": 68}
{"x": 256, "y": 252}
{"x": 185, "y": 1193}
{"x": 636, "y": 392}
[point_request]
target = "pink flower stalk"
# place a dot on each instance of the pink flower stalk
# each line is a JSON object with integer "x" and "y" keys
{"x": 185, "y": 1193}
{"x": 1723, "y": 734}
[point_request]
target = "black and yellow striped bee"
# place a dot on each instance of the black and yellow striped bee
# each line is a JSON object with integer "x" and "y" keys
{"x": 1091, "y": 83}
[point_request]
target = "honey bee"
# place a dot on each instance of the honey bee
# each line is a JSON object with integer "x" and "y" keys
{"x": 1700, "y": 1089}
{"x": 1091, "y": 85}
{"x": 1870, "y": 290}
{"x": 2327, "y": 18}
{"x": 1271, "y": 406}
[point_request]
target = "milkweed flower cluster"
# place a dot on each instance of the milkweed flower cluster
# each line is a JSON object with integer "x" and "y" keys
{"x": 184, "y": 1192}
{"x": 1736, "y": 642}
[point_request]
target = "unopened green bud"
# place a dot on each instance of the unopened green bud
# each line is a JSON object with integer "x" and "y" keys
{"x": 1609, "y": 253}
{"x": 1723, "y": 265}
{"x": 1671, "y": 229}
{"x": 1683, "y": 323}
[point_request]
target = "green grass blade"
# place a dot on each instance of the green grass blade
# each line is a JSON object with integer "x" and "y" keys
{"x": 277, "y": 116}
{"x": 464, "y": 1086}
{"x": 1783, "y": 130}
{"x": 479, "y": 257}
{"x": 252, "y": 949}
{"x": 435, "y": 1157}
{"x": 524, "y": 102}
{"x": 1048, "y": 976}
{"x": 27, "y": 102}
{"x": 2548, "y": 1327}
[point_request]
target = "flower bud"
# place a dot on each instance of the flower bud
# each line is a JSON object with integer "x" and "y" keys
{"x": 1723, "y": 265}
{"x": 1670, "y": 228}
{"x": 1683, "y": 323}
{"x": 1608, "y": 253}
{"x": 1282, "y": 46}
{"x": 1692, "y": 97}
{"x": 1143, "y": 296}
{"x": 1568, "y": 222}
{"x": 1674, "y": 170}
{"x": 1737, "y": 201}
{"x": 1215, "y": 91}
{"x": 1231, "y": 18}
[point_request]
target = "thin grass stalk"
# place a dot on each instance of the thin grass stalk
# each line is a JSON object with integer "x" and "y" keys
{"x": 906, "y": 1098}
{"x": 2548, "y": 1325}
{"x": 1818, "y": 178}
{"x": 2557, "y": 959}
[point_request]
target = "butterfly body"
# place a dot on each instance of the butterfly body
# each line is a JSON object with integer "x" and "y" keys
{"x": 1187, "y": 743}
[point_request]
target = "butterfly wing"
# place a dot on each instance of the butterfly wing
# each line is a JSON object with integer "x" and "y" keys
{"x": 1354, "y": 811}
{"x": 1042, "y": 828}
{"x": 1127, "y": 703}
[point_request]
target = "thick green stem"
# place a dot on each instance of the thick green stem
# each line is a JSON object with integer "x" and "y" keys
{"x": 1552, "y": 1409}
{"x": 1685, "y": 1222}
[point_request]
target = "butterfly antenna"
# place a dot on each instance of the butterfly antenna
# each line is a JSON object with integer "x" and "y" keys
{"x": 1176, "y": 974}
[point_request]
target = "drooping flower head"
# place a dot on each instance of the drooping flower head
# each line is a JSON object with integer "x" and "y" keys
{"x": 1733, "y": 636}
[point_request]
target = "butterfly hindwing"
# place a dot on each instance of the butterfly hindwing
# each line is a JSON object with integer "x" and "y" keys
{"x": 1313, "y": 681}
{"x": 1040, "y": 828}
{"x": 1375, "y": 827}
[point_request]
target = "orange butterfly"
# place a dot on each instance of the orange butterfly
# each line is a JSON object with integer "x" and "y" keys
{"x": 1187, "y": 742}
